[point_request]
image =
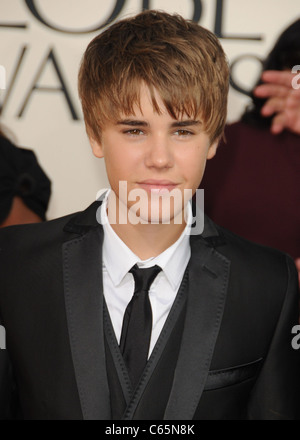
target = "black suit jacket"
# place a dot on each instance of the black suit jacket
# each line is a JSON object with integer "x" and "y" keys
{"x": 235, "y": 357}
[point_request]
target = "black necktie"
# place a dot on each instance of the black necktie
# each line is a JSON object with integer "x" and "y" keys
{"x": 137, "y": 323}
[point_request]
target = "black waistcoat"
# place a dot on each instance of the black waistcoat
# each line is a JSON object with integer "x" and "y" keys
{"x": 149, "y": 400}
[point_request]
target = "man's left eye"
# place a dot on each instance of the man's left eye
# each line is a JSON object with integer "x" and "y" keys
{"x": 183, "y": 133}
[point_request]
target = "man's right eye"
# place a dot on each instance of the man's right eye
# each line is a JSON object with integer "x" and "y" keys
{"x": 134, "y": 132}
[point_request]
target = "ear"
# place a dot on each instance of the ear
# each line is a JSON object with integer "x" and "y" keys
{"x": 96, "y": 147}
{"x": 212, "y": 149}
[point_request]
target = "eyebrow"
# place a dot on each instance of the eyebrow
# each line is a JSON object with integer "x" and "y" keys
{"x": 186, "y": 123}
{"x": 132, "y": 122}
{"x": 138, "y": 123}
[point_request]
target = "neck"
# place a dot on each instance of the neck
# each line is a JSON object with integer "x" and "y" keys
{"x": 148, "y": 240}
{"x": 145, "y": 238}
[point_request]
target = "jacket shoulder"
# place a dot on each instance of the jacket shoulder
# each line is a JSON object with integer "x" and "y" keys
{"x": 57, "y": 229}
{"x": 23, "y": 233}
{"x": 254, "y": 259}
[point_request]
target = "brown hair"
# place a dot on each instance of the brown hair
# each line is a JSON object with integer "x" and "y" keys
{"x": 183, "y": 61}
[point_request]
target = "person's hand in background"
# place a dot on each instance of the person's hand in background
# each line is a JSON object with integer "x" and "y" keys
{"x": 282, "y": 91}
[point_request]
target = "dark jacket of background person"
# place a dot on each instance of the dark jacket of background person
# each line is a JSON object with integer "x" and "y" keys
{"x": 25, "y": 188}
{"x": 252, "y": 186}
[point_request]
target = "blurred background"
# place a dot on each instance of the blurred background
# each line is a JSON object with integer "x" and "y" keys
{"x": 41, "y": 45}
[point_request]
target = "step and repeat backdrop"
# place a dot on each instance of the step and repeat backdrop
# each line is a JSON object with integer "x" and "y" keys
{"x": 41, "y": 45}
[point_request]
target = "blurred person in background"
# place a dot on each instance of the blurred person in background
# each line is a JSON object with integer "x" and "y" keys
{"x": 25, "y": 189}
{"x": 252, "y": 185}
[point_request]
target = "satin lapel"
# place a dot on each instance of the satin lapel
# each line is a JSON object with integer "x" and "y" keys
{"x": 208, "y": 279}
{"x": 84, "y": 307}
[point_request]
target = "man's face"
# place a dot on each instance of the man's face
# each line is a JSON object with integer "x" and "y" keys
{"x": 154, "y": 156}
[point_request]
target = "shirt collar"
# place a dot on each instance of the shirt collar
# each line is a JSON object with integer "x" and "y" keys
{"x": 118, "y": 259}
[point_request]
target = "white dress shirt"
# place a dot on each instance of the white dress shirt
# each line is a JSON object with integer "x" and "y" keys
{"x": 118, "y": 283}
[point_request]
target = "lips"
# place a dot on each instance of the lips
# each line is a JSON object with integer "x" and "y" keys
{"x": 157, "y": 185}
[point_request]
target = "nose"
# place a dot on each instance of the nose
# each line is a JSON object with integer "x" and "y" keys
{"x": 159, "y": 153}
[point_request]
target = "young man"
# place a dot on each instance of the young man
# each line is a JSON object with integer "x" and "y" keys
{"x": 220, "y": 311}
